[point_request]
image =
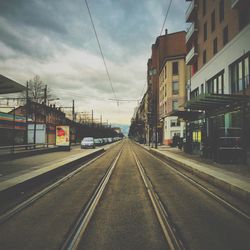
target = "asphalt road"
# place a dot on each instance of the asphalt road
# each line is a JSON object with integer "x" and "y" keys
{"x": 124, "y": 217}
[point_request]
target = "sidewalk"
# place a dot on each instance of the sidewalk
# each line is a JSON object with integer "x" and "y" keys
{"x": 233, "y": 178}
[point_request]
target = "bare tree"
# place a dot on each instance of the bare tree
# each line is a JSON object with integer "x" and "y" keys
{"x": 36, "y": 90}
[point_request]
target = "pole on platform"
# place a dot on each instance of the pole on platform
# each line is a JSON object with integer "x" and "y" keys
{"x": 27, "y": 113}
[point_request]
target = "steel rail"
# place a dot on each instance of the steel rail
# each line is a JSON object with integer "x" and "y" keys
{"x": 18, "y": 208}
{"x": 219, "y": 199}
{"x": 78, "y": 229}
{"x": 169, "y": 232}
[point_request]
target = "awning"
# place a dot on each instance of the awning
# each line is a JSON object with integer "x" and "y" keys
{"x": 187, "y": 115}
{"x": 8, "y": 86}
{"x": 211, "y": 102}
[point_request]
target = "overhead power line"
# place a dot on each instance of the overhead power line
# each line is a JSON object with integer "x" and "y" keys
{"x": 100, "y": 48}
{"x": 169, "y": 5}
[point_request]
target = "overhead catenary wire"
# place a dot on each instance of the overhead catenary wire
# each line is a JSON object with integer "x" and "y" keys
{"x": 101, "y": 51}
{"x": 169, "y": 5}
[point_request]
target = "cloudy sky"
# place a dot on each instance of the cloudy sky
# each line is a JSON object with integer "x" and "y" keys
{"x": 55, "y": 40}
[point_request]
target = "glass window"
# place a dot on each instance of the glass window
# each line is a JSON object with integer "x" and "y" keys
{"x": 240, "y": 76}
{"x": 220, "y": 85}
{"x": 175, "y": 105}
{"x": 215, "y": 48}
{"x": 215, "y": 85}
{"x": 246, "y": 64}
{"x": 239, "y": 71}
{"x": 175, "y": 88}
{"x": 225, "y": 35}
{"x": 165, "y": 72}
{"x": 205, "y": 31}
{"x": 202, "y": 88}
{"x": 204, "y": 56}
{"x": 204, "y": 7}
{"x": 175, "y": 68}
{"x": 213, "y": 21}
{"x": 214, "y": 81}
{"x": 221, "y": 10}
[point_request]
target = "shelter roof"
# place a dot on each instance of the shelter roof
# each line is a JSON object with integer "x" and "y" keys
{"x": 8, "y": 86}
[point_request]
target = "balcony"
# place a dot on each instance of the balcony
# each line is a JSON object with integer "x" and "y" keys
{"x": 234, "y": 3}
{"x": 192, "y": 54}
{"x": 190, "y": 32}
{"x": 191, "y": 10}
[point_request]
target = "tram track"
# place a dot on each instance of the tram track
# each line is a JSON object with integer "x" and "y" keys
{"x": 171, "y": 236}
{"x": 84, "y": 217}
{"x": 35, "y": 197}
{"x": 203, "y": 188}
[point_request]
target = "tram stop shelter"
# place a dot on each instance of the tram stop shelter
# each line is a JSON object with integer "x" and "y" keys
{"x": 8, "y": 86}
{"x": 218, "y": 126}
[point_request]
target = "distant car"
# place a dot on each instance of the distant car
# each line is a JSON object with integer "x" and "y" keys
{"x": 98, "y": 141}
{"x": 87, "y": 142}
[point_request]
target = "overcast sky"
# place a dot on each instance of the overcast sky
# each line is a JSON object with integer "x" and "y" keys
{"x": 55, "y": 40}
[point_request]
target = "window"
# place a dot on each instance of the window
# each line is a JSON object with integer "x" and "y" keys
{"x": 175, "y": 88}
{"x": 165, "y": 72}
{"x": 221, "y": 10}
{"x": 194, "y": 93}
{"x": 213, "y": 21}
{"x": 215, "y": 85}
{"x": 205, "y": 31}
{"x": 225, "y": 35}
{"x": 204, "y": 7}
{"x": 204, "y": 57}
{"x": 239, "y": 74}
{"x": 215, "y": 48}
{"x": 175, "y": 68}
{"x": 174, "y": 123}
{"x": 202, "y": 88}
{"x": 175, "y": 105}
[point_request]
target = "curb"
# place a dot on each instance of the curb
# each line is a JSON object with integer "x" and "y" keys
{"x": 217, "y": 182}
{"x": 18, "y": 155}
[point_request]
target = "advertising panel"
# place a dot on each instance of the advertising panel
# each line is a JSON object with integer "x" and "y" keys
{"x": 62, "y": 136}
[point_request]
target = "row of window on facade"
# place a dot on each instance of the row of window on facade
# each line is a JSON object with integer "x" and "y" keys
{"x": 221, "y": 10}
{"x": 239, "y": 79}
{"x": 175, "y": 70}
{"x": 213, "y": 17}
{"x": 215, "y": 42}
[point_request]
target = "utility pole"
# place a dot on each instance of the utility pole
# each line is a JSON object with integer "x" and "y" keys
{"x": 101, "y": 120}
{"x": 45, "y": 114}
{"x": 92, "y": 118}
{"x": 26, "y": 113}
{"x": 73, "y": 110}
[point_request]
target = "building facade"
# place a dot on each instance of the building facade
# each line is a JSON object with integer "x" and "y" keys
{"x": 218, "y": 48}
{"x": 166, "y": 46}
{"x": 172, "y": 94}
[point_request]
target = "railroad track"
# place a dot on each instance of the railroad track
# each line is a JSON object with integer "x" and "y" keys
{"x": 79, "y": 227}
{"x": 21, "y": 206}
{"x": 171, "y": 236}
{"x": 204, "y": 189}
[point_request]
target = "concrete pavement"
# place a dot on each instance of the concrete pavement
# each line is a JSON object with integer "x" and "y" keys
{"x": 18, "y": 171}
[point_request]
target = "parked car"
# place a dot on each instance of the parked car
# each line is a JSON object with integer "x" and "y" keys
{"x": 98, "y": 141}
{"x": 87, "y": 142}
